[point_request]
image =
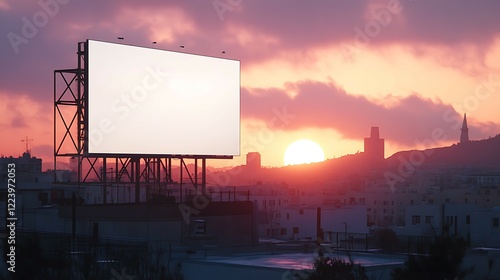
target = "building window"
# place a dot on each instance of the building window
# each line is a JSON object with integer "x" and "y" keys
{"x": 495, "y": 222}
{"x": 362, "y": 201}
{"x": 295, "y": 230}
{"x": 200, "y": 227}
{"x": 288, "y": 216}
{"x": 429, "y": 220}
{"x": 415, "y": 220}
{"x": 467, "y": 219}
{"x": 431, "y": 201}
{"x": 43, "y": 198}
{"x": 283, "y": 231}
{"x": 411, "y": 202}
{"x": 447, "y": 200}
{"x": 301, "y": 212}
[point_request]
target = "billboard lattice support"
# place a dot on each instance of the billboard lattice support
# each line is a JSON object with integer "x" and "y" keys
{"x": 108, "y": 171}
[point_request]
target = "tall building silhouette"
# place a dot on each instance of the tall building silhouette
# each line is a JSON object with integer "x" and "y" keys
{"x": 253, "y": 160}
{"x": 464, "y": 136}
{"x": 374, "y": 146}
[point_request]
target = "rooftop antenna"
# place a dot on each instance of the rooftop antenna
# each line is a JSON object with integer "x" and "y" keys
{"x": 27, "y": 141}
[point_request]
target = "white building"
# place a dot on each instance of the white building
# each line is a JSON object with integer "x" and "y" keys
{"x": 296, "y": 222}
{"x": 484, "y": 228}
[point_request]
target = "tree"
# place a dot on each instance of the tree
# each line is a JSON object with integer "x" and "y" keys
{"x": 443, "y": 262}
{"x": 334, "y": 268}
{"x": 33, "y": 262}
{"x": 387, "y": 239}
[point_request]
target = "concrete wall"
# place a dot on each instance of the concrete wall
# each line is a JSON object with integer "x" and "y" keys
{"x": 421, "y": 228}
{"x": 223, "y": 230}
{"x": 332, "y": 219}
{"x": 227, "y": 223}
{"x": 483, "y": 231}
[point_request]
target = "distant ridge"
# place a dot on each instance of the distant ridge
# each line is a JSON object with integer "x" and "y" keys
{"x": 479, "y": 153}
{"x": 472, "y": 154}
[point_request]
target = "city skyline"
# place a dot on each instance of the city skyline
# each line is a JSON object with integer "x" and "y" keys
{"x": 396, "y": 65}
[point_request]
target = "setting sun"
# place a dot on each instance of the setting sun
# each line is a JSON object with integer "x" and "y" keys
{"x": 303, "y": 151}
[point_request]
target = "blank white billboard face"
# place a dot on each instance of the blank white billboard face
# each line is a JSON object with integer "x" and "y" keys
{"x": 156, "y": 102}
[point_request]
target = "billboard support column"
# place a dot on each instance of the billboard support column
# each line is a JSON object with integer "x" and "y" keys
{"x": 169, "y": 175}
{"x": 196, "y": 175}
{"x": 158, "y": 175}
{"x": 181, "y": 161}
{"x": 137, "y": 162}
{"x": 203, "y": 175}
{"x": 104, "y": 181}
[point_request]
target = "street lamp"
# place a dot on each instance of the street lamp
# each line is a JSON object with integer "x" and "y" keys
{"x": 345, "y": 233}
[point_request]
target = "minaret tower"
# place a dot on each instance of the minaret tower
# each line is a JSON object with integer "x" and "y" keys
{"x": 464, "y": 136}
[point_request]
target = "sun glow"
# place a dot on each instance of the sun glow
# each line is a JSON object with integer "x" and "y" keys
{"x": 303, "y": 151}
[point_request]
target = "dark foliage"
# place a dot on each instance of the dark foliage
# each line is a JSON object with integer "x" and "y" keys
{"x": 334, "y": 268}
{"x": 443, "y": 262}
{"x": 387, "y": 240}
{"x": 50, "y": 257}
{"x": 33, "y": 263}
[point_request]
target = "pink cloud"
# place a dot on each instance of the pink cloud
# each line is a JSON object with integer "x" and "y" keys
{"x": 406, "y": 121}
{"x": 274, "y": 27}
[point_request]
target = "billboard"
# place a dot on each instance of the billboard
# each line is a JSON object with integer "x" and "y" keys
{"x": 143, "y": 101}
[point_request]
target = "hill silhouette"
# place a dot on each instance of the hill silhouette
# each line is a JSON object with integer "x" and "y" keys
{"x": 473, "y": 154}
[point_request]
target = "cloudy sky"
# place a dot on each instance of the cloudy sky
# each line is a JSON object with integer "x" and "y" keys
{"x": 321, "y": 70}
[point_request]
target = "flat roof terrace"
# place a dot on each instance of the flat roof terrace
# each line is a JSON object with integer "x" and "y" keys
{"x": 260, "y": 266}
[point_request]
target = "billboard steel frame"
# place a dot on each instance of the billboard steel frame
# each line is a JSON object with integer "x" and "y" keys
{"x": 70, "y": 137}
